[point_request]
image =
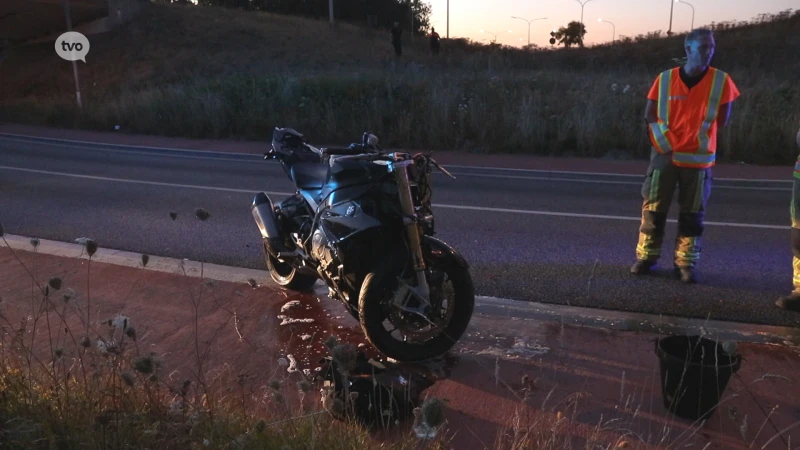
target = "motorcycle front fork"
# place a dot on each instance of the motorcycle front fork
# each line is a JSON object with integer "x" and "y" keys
{"x": 411, "y": 223}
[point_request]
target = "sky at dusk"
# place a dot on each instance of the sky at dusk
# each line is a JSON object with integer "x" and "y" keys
{"x": 630, "y": 17}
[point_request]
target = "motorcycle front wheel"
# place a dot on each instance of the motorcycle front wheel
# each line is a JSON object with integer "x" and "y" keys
{"x": 409, "y": 336}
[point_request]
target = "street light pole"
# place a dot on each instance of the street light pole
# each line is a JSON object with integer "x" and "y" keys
{"x": 582, "y": 5}
{"x": 68, "y": 17}
{"x": 671, "y": 7}
{"x": 448, "y": 19}
{"x": 529, "y": 25}
{"x": 411, "y": 8}
{"x": 494, "y": 34}
{"x": 614, "y": 30}
{"x": 690, "y": 6}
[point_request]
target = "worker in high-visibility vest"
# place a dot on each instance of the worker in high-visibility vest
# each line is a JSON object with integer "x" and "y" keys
{"x": 686, "y": 105}
{"x": 791, "y": 302}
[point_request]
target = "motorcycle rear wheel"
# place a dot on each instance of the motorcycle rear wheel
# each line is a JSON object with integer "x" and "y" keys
{"x": 377, "y": 291}
{"x": 287, "y": 276}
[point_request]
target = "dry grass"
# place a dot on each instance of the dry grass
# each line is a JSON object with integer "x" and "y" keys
{"x": 69, "y": 381}
{"x": 200, "y": 72}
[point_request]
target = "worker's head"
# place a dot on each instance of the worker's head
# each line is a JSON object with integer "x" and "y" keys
{"x": 433, "y": 30}
{"x": 699, "y": 46}
{"x": 396, "y": 24}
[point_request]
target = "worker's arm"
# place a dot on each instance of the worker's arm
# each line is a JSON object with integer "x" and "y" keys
{"x": 724, "y": 114}
{"x": 798, "y": 137}
{"x": 651, "y": 112}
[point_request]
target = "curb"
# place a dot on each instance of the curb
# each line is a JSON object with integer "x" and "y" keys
{"x": 486, "y": 306}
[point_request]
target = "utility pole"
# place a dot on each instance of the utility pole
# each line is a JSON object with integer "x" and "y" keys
{"x": 448, "y": 19}
{"x": 68, "y": 17}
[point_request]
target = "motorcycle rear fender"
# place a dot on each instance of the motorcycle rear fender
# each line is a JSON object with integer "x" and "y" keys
{"x": 437, "y": 249}
{"x": 264, "y": 214}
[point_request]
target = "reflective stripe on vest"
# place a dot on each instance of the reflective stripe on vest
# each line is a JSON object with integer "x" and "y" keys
{"x": 797, "y": 168}
{"x": 693, "y": 159}
{"x": 714, "y": 98}
{"x": 664, "y": 84}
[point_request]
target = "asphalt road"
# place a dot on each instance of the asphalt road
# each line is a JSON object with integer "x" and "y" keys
{"x": 536, "y": 236}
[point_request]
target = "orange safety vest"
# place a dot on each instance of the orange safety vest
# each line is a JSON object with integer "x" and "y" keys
{"x": 687, "y": 118}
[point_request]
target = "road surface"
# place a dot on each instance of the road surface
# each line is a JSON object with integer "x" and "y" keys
{"x": 529, "y": 235}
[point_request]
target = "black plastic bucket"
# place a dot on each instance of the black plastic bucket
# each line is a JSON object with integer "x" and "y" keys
{"x": 694, "y": 373}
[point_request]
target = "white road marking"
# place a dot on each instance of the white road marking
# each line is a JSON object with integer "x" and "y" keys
{"x": 590, "y": 181}
{"x": 121, "y": 146}
{"x": 609, "y": 174}
{"x": 147, "y": 183}
{"x": 444, "y": 206}
{"x": 221, "y": 156}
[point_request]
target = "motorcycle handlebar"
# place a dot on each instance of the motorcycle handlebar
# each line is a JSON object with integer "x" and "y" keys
{"x": 367, "y": 157}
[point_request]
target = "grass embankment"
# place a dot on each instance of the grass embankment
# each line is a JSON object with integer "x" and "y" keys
{"x": 207, "y": 72}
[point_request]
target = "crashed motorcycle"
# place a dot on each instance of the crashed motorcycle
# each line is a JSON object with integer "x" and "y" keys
{"x": 361, "y": 221}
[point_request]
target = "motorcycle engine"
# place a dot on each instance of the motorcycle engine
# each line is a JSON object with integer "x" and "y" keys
{"x": 322, "y": 251}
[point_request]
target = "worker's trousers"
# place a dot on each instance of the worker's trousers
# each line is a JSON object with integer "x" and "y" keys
{"x": 795, "y": 234}
{"x": 694, "y": 189}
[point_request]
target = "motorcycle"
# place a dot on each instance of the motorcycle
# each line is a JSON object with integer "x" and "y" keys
{"x": 361, "y": 221}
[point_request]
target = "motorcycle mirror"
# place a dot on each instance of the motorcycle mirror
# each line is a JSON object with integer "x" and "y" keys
{"x": 442, "y": 169}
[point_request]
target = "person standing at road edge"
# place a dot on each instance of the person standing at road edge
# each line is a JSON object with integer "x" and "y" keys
{"x": 397, "y": 39}
{"x": 791, "y": 302}
{"x": 685, "y": 107}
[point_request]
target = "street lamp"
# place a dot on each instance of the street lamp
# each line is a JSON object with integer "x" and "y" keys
{"x": 582, "y": 5}
{"x": 494, "y": 34}
{"x": 614, "y": 28}
{"x": 529, "y": 25}
{"x": 690, "y": 6}
{"x": 671, "y": 8}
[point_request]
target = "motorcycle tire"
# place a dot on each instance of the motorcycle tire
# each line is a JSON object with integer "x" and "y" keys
{"x": 382, "y": 283}
{"x": 287, "y": 276}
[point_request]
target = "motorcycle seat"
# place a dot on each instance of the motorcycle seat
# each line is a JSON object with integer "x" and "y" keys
{"x": 308, "y": 176}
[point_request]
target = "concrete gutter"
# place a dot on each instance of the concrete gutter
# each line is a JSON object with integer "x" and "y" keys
{"x": 485, "y": 306}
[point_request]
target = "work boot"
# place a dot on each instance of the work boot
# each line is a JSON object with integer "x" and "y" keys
{"x": 642, "y": 267}
{"x": 686, "y": 274}
{"x": 789, "y": 302}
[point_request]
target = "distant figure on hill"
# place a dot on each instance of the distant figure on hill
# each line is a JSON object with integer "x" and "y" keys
{"x": 397, "y": 34}
{"x": 434, "y": 37}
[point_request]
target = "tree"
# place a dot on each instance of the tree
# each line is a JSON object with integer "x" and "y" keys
{"x": 387, "y": 11}
{"x": 572, "y": 34}
{"x": 422, "y": 16}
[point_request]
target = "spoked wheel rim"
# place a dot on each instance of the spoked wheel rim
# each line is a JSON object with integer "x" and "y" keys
{"x": 411, "y": 328}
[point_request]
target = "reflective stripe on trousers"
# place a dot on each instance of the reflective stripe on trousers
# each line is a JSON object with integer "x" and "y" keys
{"x": 694, "y": 189}
{"x": 794, "y": 208}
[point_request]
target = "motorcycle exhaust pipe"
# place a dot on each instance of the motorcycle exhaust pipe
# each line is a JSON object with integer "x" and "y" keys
{"x": 264, "y": 214}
